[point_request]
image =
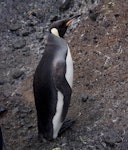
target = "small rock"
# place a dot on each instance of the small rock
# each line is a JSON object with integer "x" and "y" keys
{"x": 124, "y": 144}
{"x": 2, "y": 82}
{"x": 18, "y": 94}
{"x": 84, "y": 97}
{"x": 38, "y": 13}
{"x": 106, "y": 24}
{"x": 92, "y": 98}
{"x": 89, "y": 86}
{"x": 84, "y": 39}
{"x": 26, "y": 51}
{"x": 31, "y": 23}
{"x": 15, "y": 110}
{"x": 100, "y": 146}
{"x": 2, "y": 109}
{"x": 26, "y": 31}
{"x": 93, "y": 15}
{"x": 117, "y": 15}
{"x": 97, "y": 52}
{"x": 65, "y": 4}
{"x": 95, "y": 40}
{"x": 79, "y": 4}
{"x": 111, "y": 138}
{"x": 30, "y": 125}
{"x": 106, "y": 66}
{"x": 14, "y": 27}
{"x": 6, "y": 94}
{"x": 17, "y": 74}
{"x": 55, "y": 18}
{"x": 19, "y": 43}
{"x": 40, "y": 37}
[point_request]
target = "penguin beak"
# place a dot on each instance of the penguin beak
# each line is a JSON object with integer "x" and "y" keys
{"x": 71, "y": 20}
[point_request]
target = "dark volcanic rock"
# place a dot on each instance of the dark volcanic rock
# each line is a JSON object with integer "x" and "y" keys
{"x": 65, "y": 4}
{"x": 111, "y": 138}
{"x": 55, "y": 18}
{"x": 17, "y": 74}
{"x": 26, "y": 51}
{"x": 2, "y": 109}
{"x": 20, "y": 43}
{"x": 93, "y": 15}
{"x": 14, "y": 27}
{"x": 106, "y": 24}
{"x": 2, "y": 82}
{"x": 95, "y": 40}
{"x": 124, "y": 144}
{"x": 26, "y": 31}
{"x": 84, "y": 97}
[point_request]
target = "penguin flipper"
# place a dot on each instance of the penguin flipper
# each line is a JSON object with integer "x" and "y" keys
{"x": 66, "y": 125}
{"x": 63, "y": 86}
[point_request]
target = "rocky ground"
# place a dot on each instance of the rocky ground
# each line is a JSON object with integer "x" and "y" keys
{"x": 99, "y": 46}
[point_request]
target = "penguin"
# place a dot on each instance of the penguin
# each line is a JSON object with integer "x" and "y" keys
{"x": 2, "y": 145}
{"x": 52, "y": 83}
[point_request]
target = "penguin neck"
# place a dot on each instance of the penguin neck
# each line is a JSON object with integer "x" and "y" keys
{"x": 55, "y": 32}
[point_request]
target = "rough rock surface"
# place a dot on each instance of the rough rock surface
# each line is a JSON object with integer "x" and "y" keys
{"x": 99, "y": 46}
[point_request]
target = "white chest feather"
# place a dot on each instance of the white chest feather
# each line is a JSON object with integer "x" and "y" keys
{"x": 69, "y": 68}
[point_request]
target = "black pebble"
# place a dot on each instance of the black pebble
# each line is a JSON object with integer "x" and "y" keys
{"x": 84, "y": 97}
{"x": 2, "y": 109}
{"x": 17, "y": 74}
{"x": 19, "y": 43}
{"x": 93, "y": 15}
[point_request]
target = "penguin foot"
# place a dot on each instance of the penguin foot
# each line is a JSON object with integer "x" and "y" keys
{"x": 66, "y": 125}
{"x": 41, "y": 138}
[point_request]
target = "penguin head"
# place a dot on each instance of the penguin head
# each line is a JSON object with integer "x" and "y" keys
{"x": 59, "y": 27}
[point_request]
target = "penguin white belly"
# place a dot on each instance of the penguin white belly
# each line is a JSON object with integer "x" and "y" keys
{"x": 57, "y": 118}
{"x": 69, "y": 68}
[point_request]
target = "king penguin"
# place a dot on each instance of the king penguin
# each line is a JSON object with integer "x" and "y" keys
{"x": 52, "y": 84}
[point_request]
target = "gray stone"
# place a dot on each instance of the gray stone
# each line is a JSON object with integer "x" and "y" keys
{"x": 20, "y": 43}
{"x": 26, "y": 51}
{"x": 2, "y": 82}
{"x": 106, "y": 24}
{"x": 124, "y": 144}
{"x": 17, "y": 74}
{"x": 84, "y": 97}
{"x": 55, "y": 18}
{"x": 18, "y": 94}
{"x": 64, "y": 5}
{"x": 2, "y": 109}
{"x": 95, "y": 40}
{"x": 40, "y": 37}
{"x": 26, "y": 31}
{"x": 14, "y": 27}
{"x": 40, "y": 15}
{"x": 111, "y": 138}
{"x": 93, "y": 15}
